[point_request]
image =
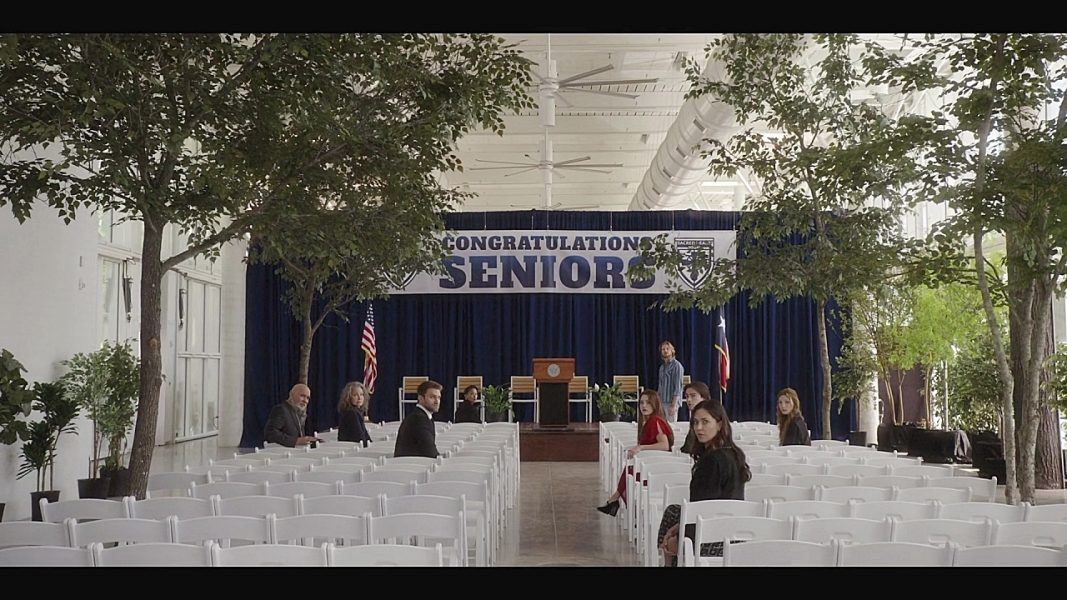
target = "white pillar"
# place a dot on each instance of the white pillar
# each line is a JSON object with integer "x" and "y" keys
{"x": 231, "y": 400}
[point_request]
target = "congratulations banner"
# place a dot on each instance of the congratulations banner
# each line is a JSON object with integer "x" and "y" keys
{"x": 566, "y": 262}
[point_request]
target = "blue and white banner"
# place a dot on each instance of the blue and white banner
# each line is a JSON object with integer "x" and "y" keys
{"x": 565, "y": 262}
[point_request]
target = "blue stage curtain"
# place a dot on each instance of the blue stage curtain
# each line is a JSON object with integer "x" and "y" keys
{"x": 443, "y": 336}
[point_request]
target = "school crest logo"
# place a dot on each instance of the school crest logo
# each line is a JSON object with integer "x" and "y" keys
{"x": 691, "y": 250}
{"x": 401, "y": 279}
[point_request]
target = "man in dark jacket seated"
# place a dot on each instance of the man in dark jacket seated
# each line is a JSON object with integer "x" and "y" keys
{"x": 417, "y": 434}
{"x": 285, "y": 424}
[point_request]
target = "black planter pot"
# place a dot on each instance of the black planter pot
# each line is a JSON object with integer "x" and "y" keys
{"x": 97, "y": 487}
{"x": 2, "y": 505}
{"x": 120, "y": 482}
{"x": 493, "y": 417}
{"x": 35, "y": 501}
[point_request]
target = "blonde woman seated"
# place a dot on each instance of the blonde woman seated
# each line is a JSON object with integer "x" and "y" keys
{"x": 792, "y": 430}
{"x": 352, "y": 409}
{"x": 655, "y": 434}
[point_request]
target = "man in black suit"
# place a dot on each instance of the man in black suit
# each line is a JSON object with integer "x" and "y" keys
{"x": 417, "y": 434}
{"x": 285, "y": 424}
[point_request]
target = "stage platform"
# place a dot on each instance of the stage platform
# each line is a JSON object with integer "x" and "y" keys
{"x": 578, "y": 444}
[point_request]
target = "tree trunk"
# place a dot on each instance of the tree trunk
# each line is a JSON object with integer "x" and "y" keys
{"x": 308, "y": 331}
{"x": 928, "y": 373}
{"x": 1004, "y": 376}
{"x": 144, "y": 435}
{"x": 824, "y": 360}
{"x": 1048, "y": 462}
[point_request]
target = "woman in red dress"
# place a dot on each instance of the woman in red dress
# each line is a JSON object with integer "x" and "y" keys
{"x": 654, "y": 434}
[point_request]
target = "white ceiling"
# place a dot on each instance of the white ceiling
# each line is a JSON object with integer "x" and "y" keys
{"x": 605, "y": 128}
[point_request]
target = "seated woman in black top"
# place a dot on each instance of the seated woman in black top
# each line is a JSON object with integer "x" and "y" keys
{"x": 792, "y": 430}
{"x": 467, "y": 411}
{"x": 720, "y": 471}
{"x": 352, "y": 409}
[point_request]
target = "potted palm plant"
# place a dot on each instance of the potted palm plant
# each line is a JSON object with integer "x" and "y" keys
{"x": 39, "y": 450}
{"x": 15, "y": 398}
{"x": 105, "y": 384}
{"x": 497, "y": 403}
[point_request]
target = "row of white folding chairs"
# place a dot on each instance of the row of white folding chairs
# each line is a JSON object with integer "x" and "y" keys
{"x": 863, "y": 531}
{"x": 789, "y": 553}
{"x": 808, "y": 465}
{"x": 415, "y": 516}
{"x": 211, "y": 555}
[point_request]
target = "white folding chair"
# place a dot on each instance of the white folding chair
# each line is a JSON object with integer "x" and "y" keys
{"x": 152, "y": 555}
{"x": 225, "y": 489}
{"x": 895, "y": 554}
{"x": 900, "y": 511}
{"x": 857, "y": 470}
{"x": 254, "y": 506}
{"x": 363, "y": 461}
{"x": 396, "y": 475}
{"x": 828, "y": 444}
{"x": 980, "y": 511}
{"x": 928, "y": 494}
{"x": 779, "y": 553}
{"x": 314, "y": 530}
{"x": 1030, "y": 533}
{"x": 779, "y": 493}
{"x": 921, "y": 471}
{"x": 982, "y": 490}
{"x": 1009, "y": 556}
{"x": 161, "y": 508}
{"x": 893, "y": 461}
{"x": 330, "y": 477}
{"x": 418, "y": 461}
{"x": 85, "y": 508}
{"x": 423, "y": 526}
{"x": 808, "y": 509}
{"x": 34, "y": 533}
{"x": 827, "y": 481}
{"x": 854, "y": 493}
{"x": 477, "y": 499}
{"x": 221, "y": 530}
{"x": 371, "y": 489}
{"x": 351, "y": 506}
{"x": 767, "y": 479}
{"x": 259, "y": 477}
{"x": 1046, "y": 512}
{"x": 943, "y": 531}
{"x": 124, "y": 531}
{"x": 308, "y": 489}
{"x": 385, "y": 555}
{"x": 843, "y": 529}
{"x": 795, "y": 469}
{"x": 889, "y": 481}
{"x": 442, "y": 505}
{"x": 268, "y": 555}
{"x": 45, "y": 556}
{"x": 722, "y": 529}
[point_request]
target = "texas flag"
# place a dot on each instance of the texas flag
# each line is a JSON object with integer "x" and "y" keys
{"x": 724, "y": 353}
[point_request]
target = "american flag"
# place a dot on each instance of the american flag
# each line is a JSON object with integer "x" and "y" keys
{"x": 370, "y": 364}
{"x": 724, "y": 353}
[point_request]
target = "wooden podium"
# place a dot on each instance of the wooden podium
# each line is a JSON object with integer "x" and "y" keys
{"x": 553, "y": 376}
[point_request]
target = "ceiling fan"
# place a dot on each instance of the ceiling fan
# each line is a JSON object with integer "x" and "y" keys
{"x": 547, "y": 166}
{"x": 552, "y": 87}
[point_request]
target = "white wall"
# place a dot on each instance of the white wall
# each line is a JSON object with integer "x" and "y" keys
{"x": 49, "y": 310}
{"x": 48, "y": 313}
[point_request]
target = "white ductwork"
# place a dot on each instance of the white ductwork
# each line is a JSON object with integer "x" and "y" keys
{"x": 678, "y": 166}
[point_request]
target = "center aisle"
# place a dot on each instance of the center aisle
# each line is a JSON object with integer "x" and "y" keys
{"x": 556, "y": 524}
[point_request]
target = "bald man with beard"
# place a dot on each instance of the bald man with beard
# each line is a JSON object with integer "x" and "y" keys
{"x": 285, "y": 424}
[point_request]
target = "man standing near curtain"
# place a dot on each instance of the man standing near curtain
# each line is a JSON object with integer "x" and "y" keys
{"x": 670, "y": 380}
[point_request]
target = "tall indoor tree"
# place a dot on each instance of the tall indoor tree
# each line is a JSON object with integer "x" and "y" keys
{"x": 222, "y": 134}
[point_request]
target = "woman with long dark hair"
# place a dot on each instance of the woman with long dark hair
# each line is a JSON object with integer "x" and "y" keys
{"x": 655, "y": 434}
{"x": 792, "y": 430}
{"x": 720, "y": 471}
